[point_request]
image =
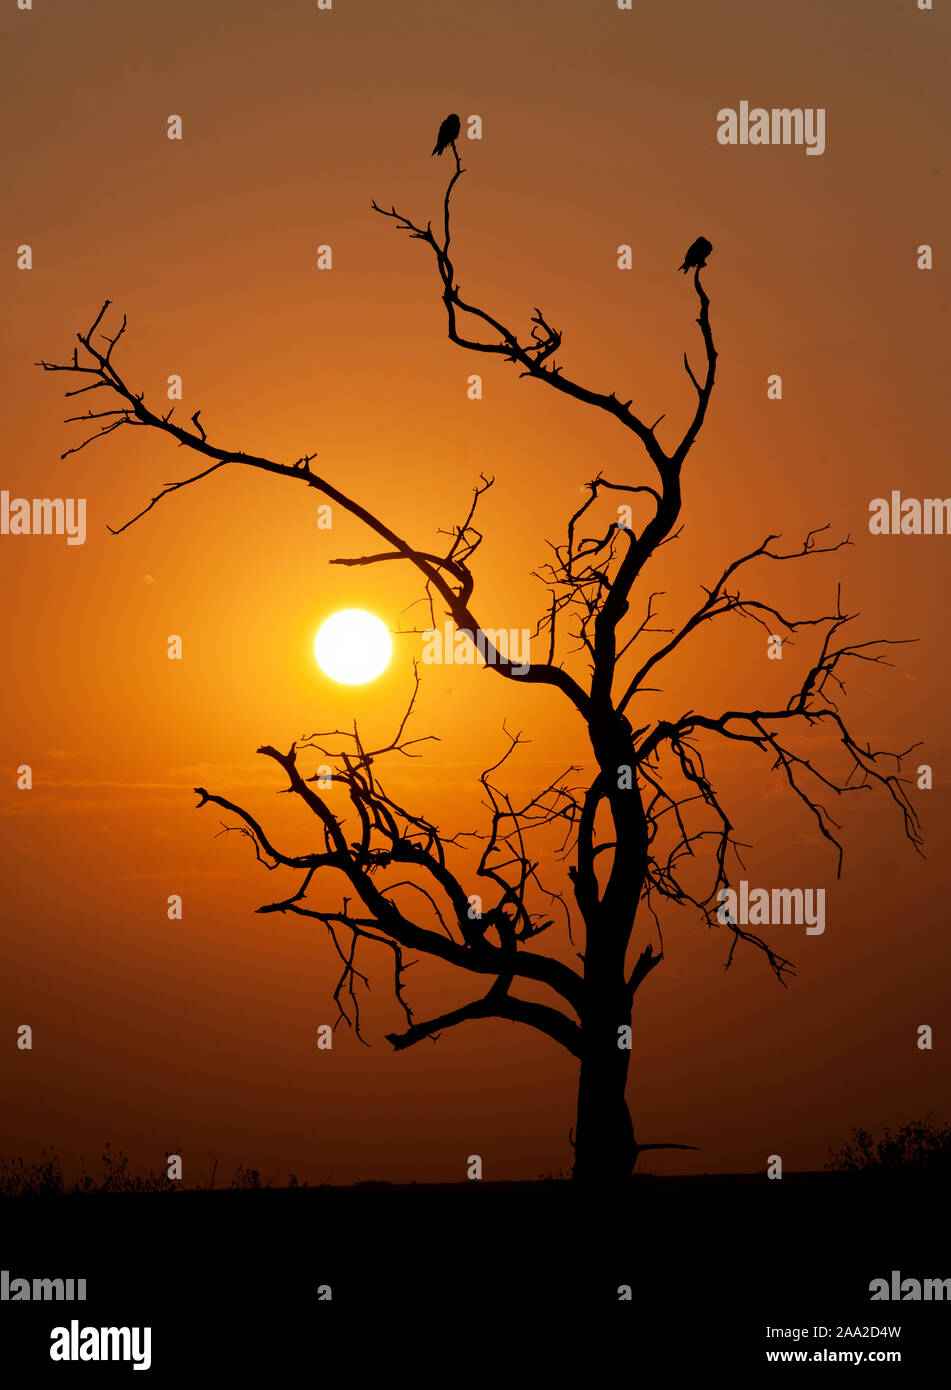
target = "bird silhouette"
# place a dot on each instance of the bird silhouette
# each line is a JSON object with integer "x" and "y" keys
{"x": 696, "y": 255}
{"x": 448, "y": 134}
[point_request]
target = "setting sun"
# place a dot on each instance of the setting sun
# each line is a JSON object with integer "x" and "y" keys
{"x": 353, "y": 647}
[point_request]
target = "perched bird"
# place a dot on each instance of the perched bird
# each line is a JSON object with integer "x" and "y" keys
{"x": 448, "y": 134}
{"x": 697, "y": 255}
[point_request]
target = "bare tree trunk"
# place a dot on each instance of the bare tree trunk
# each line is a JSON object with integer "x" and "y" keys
{"x": 605, "y": 1150}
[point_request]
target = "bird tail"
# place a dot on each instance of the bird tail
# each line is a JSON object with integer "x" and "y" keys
{"x": 436, "y": 149}
{"x": 683, "y": 267}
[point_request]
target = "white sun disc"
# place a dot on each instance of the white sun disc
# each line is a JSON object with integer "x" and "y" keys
{"x": 353, "y": 647}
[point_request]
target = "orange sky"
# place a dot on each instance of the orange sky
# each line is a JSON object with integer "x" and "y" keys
{"x": 599, "y": 129}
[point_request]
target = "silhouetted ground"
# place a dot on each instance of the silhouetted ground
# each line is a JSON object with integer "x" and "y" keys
{"x": 232, "y": 1277}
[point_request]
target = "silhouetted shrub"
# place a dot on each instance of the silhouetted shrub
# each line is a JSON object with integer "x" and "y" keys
{"x": 21, "y": 1179}
{"x": 918, "y": 1144}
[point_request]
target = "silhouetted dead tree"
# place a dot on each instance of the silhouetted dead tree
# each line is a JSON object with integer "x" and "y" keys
{"x": 629, "y": 832}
